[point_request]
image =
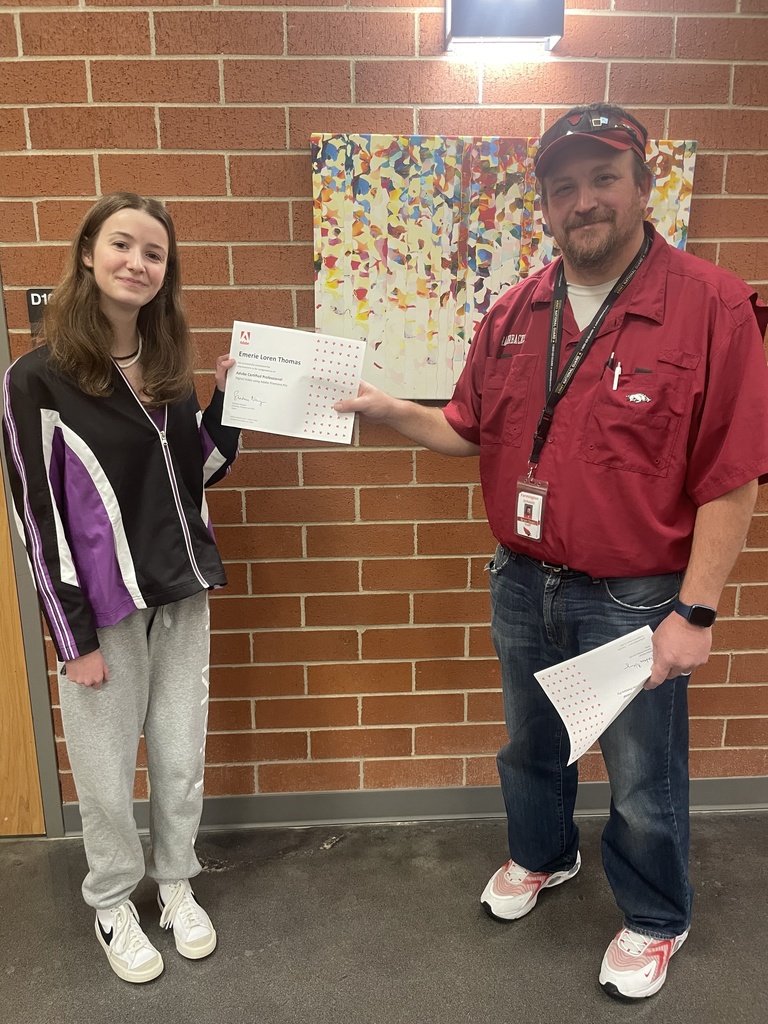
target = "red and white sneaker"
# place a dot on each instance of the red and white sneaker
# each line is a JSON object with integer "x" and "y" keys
{"x": 512, "y": 892}
{"x": 635, "y": 965}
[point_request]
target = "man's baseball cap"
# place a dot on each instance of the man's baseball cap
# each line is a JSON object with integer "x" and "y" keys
{"x": 611, "y": 126}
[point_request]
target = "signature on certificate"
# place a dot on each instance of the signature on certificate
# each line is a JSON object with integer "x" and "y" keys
{"x": 250, "y": 399}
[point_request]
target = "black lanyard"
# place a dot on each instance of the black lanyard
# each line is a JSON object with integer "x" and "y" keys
{"x": 556, "y": 389}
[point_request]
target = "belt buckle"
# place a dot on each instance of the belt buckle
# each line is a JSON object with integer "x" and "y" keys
{"x": 554, "y": 568}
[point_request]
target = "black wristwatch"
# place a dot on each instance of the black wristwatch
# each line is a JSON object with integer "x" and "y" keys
{"x": 697, "y": 614}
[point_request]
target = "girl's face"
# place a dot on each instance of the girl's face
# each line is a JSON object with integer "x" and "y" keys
{"x": 129, "y": 259}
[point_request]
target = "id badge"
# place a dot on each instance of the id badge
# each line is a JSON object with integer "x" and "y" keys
{"x": 529, "y": 512}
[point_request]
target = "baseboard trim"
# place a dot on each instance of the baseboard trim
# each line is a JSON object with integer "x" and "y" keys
{"x": 397, "y": 805}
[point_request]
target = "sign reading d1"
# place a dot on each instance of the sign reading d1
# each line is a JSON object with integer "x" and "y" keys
{"x": 37, "y": 299}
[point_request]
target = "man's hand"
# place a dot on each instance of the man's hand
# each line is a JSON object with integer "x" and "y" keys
{"x": 372, "y": 403}
{"x": 678, "y": 648}
{"x": 88, "y": 670}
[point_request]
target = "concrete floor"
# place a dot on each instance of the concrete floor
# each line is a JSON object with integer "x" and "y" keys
{"x": 381, "y": 924}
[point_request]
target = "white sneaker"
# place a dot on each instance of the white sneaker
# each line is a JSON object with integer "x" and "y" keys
{"x": 635, "y": 965}
{"x": 130, "y": 953}
{"x": 192, "y": 929}
{"x": 512, "y": 892}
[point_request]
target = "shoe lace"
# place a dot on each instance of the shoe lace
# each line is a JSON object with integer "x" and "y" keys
{"x": 514, "y": 873}
{"x": 632, "y": 942}
{"x": 128, "y": 937}
{"x": 182, "y": 905}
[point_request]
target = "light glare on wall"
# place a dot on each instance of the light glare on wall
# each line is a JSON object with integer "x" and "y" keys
{"x": 504, "y": 21}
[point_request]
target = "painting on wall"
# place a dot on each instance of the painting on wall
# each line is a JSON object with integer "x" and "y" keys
{"x": 416, "y": 236}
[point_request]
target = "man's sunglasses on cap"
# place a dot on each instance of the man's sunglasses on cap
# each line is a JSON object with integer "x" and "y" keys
{"x": 617, "y": 132}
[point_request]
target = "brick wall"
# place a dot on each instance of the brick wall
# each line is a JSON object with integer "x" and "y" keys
{"x": 351, "y": 649}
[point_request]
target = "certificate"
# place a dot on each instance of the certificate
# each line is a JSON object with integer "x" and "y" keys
{"x": 286, "y": 382}
{"x": 591, "y": 690}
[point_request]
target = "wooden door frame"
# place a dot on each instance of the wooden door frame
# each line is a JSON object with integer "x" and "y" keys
{"x": 34, "y": 649}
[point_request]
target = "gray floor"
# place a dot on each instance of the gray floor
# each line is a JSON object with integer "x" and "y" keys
{"x": 380, "y": 924}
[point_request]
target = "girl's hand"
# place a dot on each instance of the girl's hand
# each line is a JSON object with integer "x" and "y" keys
{"x": 223, "y": 364}
{"x": 87, "y": 670}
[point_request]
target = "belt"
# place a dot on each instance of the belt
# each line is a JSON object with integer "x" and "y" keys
{"x": 550, "y": 566}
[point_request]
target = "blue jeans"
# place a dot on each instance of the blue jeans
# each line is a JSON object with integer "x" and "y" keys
{"x": 542, "y": 616}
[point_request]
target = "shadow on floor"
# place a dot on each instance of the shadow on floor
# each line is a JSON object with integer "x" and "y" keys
{"x": 381, "y": 924}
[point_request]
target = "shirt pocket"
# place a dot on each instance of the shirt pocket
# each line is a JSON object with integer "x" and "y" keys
{"x": 637, "y": 426}
{"x": 506, "y": 392}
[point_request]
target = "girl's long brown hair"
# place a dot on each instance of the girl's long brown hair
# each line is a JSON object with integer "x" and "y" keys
{"x": 80, "y": 337}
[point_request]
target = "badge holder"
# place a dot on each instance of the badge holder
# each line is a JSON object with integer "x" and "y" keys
{"x": 529, "y": 511}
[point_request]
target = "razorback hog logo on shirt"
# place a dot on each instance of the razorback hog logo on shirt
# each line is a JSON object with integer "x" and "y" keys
{"x": 513, "y": 339}
{"x": 638, "y": 397}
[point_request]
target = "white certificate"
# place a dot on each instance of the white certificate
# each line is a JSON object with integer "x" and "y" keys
{"x": 286, "y": 382}
{"x": 590, "y": 691}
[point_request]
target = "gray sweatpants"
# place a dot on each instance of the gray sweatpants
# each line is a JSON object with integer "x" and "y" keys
{"x": 158, "y": 664}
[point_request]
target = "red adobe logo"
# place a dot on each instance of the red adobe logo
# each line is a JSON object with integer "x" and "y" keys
{"x": 245, "y": 337}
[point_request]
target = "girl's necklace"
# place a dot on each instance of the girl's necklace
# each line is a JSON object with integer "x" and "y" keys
{"x": 125, "y": 361}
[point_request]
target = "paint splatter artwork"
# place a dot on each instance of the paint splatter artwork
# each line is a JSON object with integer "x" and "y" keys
{"x": 416, "y": 236}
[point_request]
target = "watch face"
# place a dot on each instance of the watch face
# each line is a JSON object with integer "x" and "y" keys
{"x": 701, "y": 615}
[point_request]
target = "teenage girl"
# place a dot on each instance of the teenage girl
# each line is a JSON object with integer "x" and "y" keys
{"x": 108, "y": 455}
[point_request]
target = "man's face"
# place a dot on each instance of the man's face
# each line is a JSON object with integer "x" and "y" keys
{"x": 593, "y": 207}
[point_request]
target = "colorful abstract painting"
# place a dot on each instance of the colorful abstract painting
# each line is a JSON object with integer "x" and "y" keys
{"x": 416, "y": 236}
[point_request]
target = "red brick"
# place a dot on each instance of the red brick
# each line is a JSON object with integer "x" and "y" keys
{"x": 413, "y": 642}
{"x": 431, "y": 35}
{"x": 231, "y": 221}
{"x": 459, "y": 739}
{"x": 204, "y": 264}
{"x": 306, "y": 712}
{"x": 762, "y": 499}
{"x": 711, "y": 39}
{"x": 746, "y": 174}
{"x": 199, "y": 32}
{"x": 716, "y": 764}
{"x": 255, "y": 612}
{"x": 240, "y": 747}
{"x": 271, "y": 176}
{"x": 726, "y": 606}
{"x": 307, "y": 505}
{"x": 451, "y": 607}
{"x": 407, "y": 709}
{"x": 413, "y": 773}
{"x": 46, "y": 175}
{"x": 747, "y": 259}
{"x": 8, "y": 45}
{"x": 728, "y": 700}
{"x": 230, "y": 648}
{"x": 606, "y": 36}
{"x": 217, "y": 307}
{"x": 303, "y": 577}
{"x": 749, "y": 668}
{"x": 482, "y": 771}
{"x": 307, "y": 645}
{"x": 462, "y": 674}
{"x": 273, "y": 264}
{"x": 750, "y": 87}
{"x": 58, "y": 221}
{"x": 416, "y": 82}
{"x": 477, "y": 504}
{"x": 741, "y": 635}
{"x": 302, "y": 231}
{"x": 257, "y": 681}
{"x": 454, "y": 538}
{"x": 78, "y": 33}
{"x": 237, "y": 578}
{"x": 714, "y": 671}
{"x": 45, "y": 82}
{"x": 68, "y": 791}
{"x": 245, "y": 542}
{"x": 750, "y": 567}
{"x": 754, "y": 7}
{"x": 480, "y": 645}
{"x": 25, "y": 264}
{"x": 472, "y": 121}
{"x": 357, "y": 467}
{"x": 287, "y": 81}
{"x": 720, "y": 129}
{"x": 353, "y": 34}
{"x": 674, "y": 6}
{"x": 413, "y": 503}
{"x": 265, "y": 469}
{"x": 17, "y": 224}
{"x": 485, "y": 707}
{"x": 753, "y": 600}
{"x": 706, "y": 732}
{"x": 359, "y": 541}
{"x": 568, "y": 82}
{"x": 432, "y": 468}
{"x": 306, "y": 778}
{"x": 357, "y": 609}
{"x": 332, "y": 743}
{"x": 217, "y": 128}
{"x": 16, "y": 312}
{"x": 370, "y": 677}
{"x": 708, "y": 177}
{"x": 229, "y": 780}
{"x": 164, "y": 175}
{"x": 704, "y": 250}
{"x": 735, "y": 218}
{"x": 305, "y": 306}
{"x": 229, "y": 715}
{"x": 92, "y": 128}
{"x": 307, "y": 121}
{"x": 155, "y": 81}
{"x": 645, "y": 83}
{"x": 377, "y": 435}
{"x": 412, "y": 574}
{"x": 746, "y": 732}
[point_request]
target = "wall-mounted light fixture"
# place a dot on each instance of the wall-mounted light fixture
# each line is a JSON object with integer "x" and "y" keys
{"x": 504, "y": 21}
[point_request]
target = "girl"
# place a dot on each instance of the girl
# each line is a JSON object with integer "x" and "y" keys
{"x": 108, "y": 454}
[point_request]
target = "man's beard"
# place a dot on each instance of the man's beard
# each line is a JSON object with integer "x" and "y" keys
{"x": 591, "y": 254}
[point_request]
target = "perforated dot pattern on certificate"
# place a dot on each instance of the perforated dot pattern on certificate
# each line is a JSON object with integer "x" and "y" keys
{"x": 335, "y": 368}
{"x": 579, "y": 705}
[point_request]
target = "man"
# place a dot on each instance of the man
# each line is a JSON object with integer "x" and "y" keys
{"x": 617, "y": 400}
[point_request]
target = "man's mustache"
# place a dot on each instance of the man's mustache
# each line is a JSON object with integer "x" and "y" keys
{"x": 580, "y": 222}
